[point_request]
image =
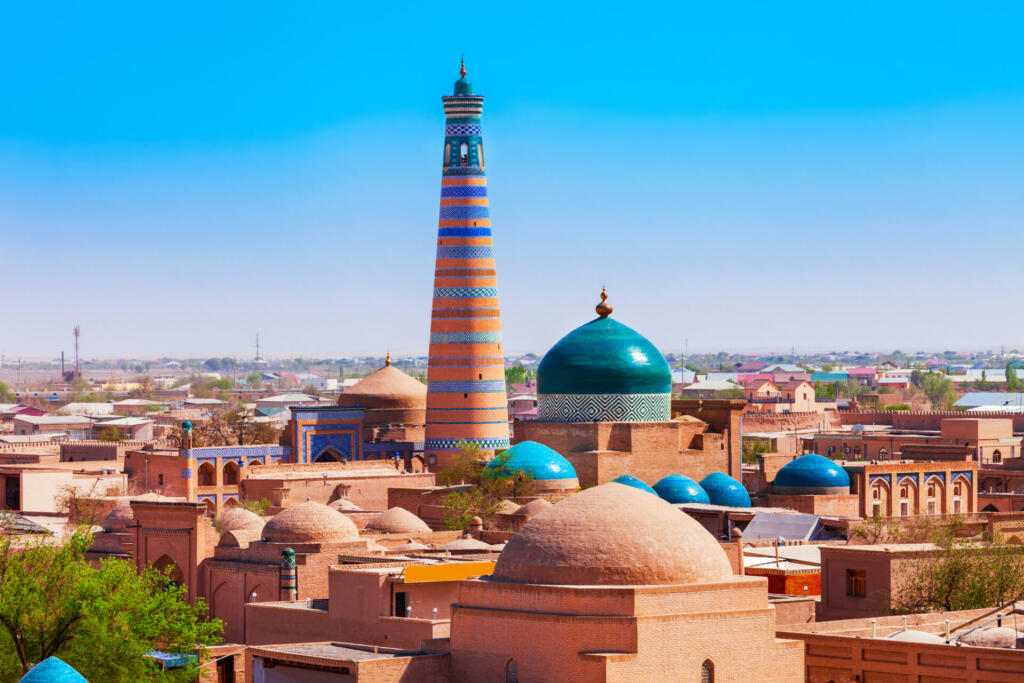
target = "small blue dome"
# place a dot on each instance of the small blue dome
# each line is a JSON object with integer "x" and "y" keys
{"x": 675, "y": 488}
{"x": 812, "y": 471}
{"x": 630, "y": 480}
{"x": 52, "y": 670}
{"x": 604, "y": 357}
{"x": 536, "y": 459}
{"x": 724, "y": 490}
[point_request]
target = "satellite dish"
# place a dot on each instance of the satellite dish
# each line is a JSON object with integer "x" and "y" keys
{"x": 857, "y": 429}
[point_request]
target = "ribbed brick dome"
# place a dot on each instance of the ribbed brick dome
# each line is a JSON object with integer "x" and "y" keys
{"x": 239, "y": 518}
{"x": 388, "y": 388}
{"x": 309, "y": 522}
{"x": 120, "y": 517}
{"x": 612, "y": 535}
{"x": 398, "y": 521}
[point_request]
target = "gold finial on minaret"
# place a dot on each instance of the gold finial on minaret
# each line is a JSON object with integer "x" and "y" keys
{"x": 387, "y": 360}
{"x": 604, "y": 309}
{"x": 462, "y": 69}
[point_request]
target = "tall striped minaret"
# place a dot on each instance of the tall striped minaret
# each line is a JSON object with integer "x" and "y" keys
{"x": 466, "y": 371}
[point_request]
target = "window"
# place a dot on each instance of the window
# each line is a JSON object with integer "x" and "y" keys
{"x": 903, "y": 491}
{"x": 160, "y": 480}
{"x": 230, "y": 473}
{"x": 511, "y": 672}
{"x": 956, "y": 489}
{"x": 206, "y": 474}
{"x": 997, "y": 456}
{"x": 956, "y": 506}
{"x": 876, "y": 494}
{"x": 931, "y": 507}
{"x": 904, "y": 509}
{"x": 447, "y": 154}
{"x": 876, "y": 510}
{"x": 401, "y": 604}
{"x": 480, "y": 155}
{"x": 883, "y": 454}
{"x": 931, "y": 490}
{"x": 463, "y": 154}
{"x": 855, "y": 579}
{"x": 707, "y": 672}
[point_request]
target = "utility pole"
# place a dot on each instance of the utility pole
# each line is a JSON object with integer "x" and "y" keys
{"x": 78, "y": 363}
{"x": 257, "y": 348}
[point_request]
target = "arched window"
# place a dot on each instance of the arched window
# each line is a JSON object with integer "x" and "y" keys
{"x": 956, "y": 489}
{"x": 480, "y": 155}
{"x": 464, "y": 154}
{"x": 230, "y": 473}
{"x": 447, "y": 154}
{"x": 171, "y": 570}
{"x": 707, "y": 672}
{"x": 876, "y": 494}
{"x": 511, "y": 672}
{"x": 997, "y": 456}
{"x": 931, "y": 490}
{"x": 903, "y": 491}
{"x": 206, "y": 474}
{"x": 883, "y": 454}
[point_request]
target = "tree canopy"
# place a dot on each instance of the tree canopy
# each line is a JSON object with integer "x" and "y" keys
{"x": 101, "y": 621}
{"x": 485, "y": 487}
{"x": 938, "y": 388}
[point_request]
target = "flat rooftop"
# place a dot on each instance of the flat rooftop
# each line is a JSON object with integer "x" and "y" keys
{"x": 339, "y": 652}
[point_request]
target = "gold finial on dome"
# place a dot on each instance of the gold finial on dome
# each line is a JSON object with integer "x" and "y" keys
{"x": 604, "y": 309}
{"x": 462, "y": 68}
{"x": 387, "y": 360}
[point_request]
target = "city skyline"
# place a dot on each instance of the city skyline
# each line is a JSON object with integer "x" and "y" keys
{"x": 823, "y": 182}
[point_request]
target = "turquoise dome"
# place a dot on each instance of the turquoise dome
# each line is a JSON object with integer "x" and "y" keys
{"x": 52, "y": 670}
{"x": 675, "y": 488}
{"x": 724, "y": 490}
{"x": 630, "y": 480}
{"x": 536, "y": 459}
{"x": 811, "y": 473}
{"x": 604, "y": 357}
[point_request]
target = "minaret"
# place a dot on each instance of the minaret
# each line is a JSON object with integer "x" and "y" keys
{"x": 466, "y": 372}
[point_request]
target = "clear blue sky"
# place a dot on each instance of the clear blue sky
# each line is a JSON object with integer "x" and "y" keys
{"x": 758, "y": 176}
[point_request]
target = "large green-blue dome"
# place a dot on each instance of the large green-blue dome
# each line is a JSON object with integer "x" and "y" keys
{"x": 604, "y": 371}
{"x": 604, "y": 357}
{"x": 536, "y": 459}
{"x": 811, "y": 474}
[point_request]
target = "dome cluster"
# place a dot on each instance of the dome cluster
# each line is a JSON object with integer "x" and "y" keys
{"x": 811, "y": 474}
{"x": 718, "y": 488}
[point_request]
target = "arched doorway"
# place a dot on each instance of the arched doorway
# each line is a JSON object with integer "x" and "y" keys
{"x": 206, "y": 475}
{"x": 330, "y": 454}
{"x": 170, "y": 569}
{"x": 230, "y": 473}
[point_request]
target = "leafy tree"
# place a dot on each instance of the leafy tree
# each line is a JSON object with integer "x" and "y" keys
{"x": 255, "y": 380}
{"x": 111, "y": 434}
{"x": 6, "y": 395}
{"x": 258, "y": 506}
{"x": 484, "y": 487}
{"x": 917, "y": 378}
{"x": 1013, "y": 383}
{"x": 962, "y": 574}
{"x": 212, "y": 364}
{"x": 100, "y": 621}
{"x": 517, "y": 374}
{"x": 938, "y": 388}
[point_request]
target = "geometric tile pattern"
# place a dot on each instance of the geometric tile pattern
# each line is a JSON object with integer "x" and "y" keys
{"x": 604, "y": 407}
{"x": 461, "y": 252}
{"x": 465, "y": 371}
{"x": 465, "y": 387}
{"x": 453, "y": 444}
{"x": 464, "y": 337}
{"x": 465, "y": 292}
{"x": 462, "y": 129}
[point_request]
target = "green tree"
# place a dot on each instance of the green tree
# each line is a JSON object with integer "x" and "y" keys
{"x": 1013, "y": 383}
{"x": 481, "y": 487}
{"x": 111, "y": 434}
{"x": 100, "y": 621}
{"x": 938, "y": 388}
{"x": 6, "y": 395}
{"x": 961, "y": 574}
{"x": 517, "y": 374}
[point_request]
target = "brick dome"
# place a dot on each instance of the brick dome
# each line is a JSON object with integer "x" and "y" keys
{"x": 119, "y": 517}
{"x": 390, "y": 397}
{"x": 344, "y": 504}
{"x": 398, "y": 521}
{"x": 534, "y": 507}
{"x": 309, "y": 522}
{"x": 612, "y": 535}
{"x": 239, "y": 518}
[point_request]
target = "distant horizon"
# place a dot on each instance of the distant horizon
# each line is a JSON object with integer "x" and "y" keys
{"x": 747, "y": 178}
